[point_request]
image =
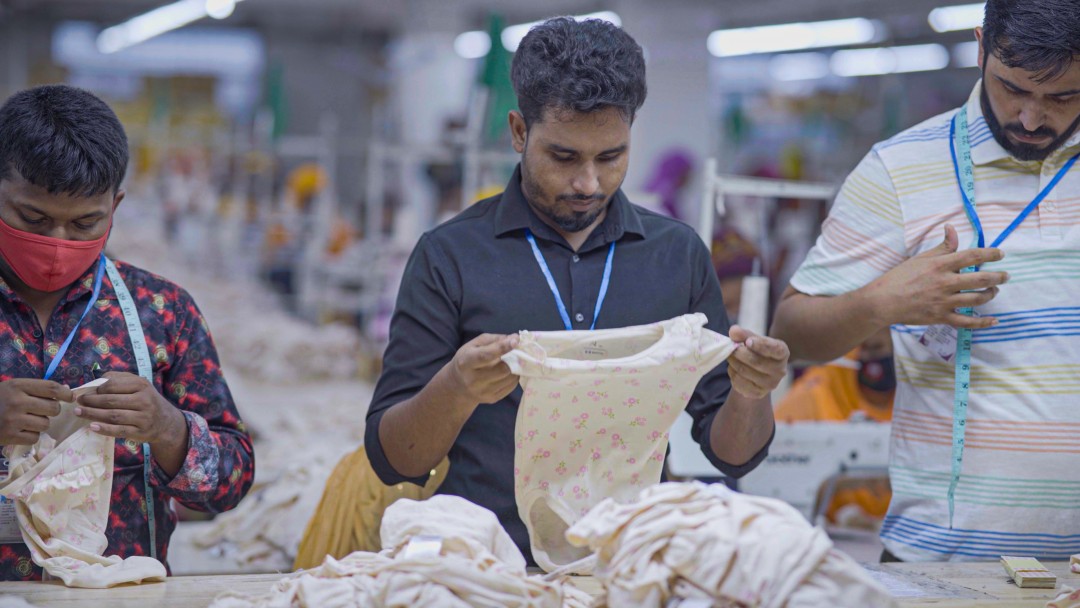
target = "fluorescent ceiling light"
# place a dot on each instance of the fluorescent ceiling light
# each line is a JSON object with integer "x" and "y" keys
{"x": 160, "y": 20}
{"x": 965, "y": 55}
{"x": 511, "y": 36}
{"x": 799, "y": 66}
{"x": 472, "y": 45}
{"x": 220, "y": 9}
{"x": 793, "y": 37}
{"x": 952, "y": 18}
{"x": 889, "y": 60}
{"x": 469, "y": 44}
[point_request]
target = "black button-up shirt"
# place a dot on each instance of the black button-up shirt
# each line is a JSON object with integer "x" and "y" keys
{"x": 476, "y": 274}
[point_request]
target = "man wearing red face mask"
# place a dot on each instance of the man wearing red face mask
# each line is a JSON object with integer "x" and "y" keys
{"x": 68, "y": 314}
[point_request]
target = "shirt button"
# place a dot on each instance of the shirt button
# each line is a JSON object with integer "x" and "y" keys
{"x": 576, "y": 258}
{"x": 37, "y": 333}
{"x": 579, "y": 317}
{"x": 1049, "y": 206}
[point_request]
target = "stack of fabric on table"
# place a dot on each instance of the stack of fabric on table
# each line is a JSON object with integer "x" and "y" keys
{"x": 681, "y": 541}
{"x": 444, "y": 552}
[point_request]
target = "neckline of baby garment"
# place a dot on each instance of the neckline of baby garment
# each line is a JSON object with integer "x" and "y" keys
{"x": 596, "y": 335}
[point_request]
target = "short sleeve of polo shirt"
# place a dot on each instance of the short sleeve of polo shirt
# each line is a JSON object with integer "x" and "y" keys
{"x": 863, "y": 237}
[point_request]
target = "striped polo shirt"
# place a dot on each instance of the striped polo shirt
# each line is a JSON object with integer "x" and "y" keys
{"x": 1019, "y": 490}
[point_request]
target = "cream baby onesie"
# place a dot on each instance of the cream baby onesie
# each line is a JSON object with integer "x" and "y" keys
{"x": 595, "y": 415}
{"x": 62, "y": 487}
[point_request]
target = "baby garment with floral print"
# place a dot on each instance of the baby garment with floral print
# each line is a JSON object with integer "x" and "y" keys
{"x": 595, "y": 415}
{"x": 61, "y": 486}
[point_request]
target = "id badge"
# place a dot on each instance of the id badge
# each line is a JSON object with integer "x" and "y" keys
{"x": 9, "y": 521}
{"x": 942, "y": 340}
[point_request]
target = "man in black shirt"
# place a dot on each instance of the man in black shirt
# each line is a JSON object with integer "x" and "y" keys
{"x": 475, "y": 281}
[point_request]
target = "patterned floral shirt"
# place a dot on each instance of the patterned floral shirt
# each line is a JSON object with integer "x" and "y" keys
{"x": 219, "y": 466}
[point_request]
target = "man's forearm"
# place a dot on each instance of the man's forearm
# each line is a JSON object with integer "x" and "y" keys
{"x": 741, "y": 428}
{"x": 822, "y": 328}
{"x": 418, "y": 433}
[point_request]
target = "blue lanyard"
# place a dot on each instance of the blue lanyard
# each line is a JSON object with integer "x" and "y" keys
{"x": 93, "y": 300}
{"x": 960, "y": 149}
{"x": 555, "y": 288}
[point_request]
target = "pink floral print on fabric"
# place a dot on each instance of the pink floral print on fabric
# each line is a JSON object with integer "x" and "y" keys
{"x": 62, "y": 487}
{"x": 594, "y": 418}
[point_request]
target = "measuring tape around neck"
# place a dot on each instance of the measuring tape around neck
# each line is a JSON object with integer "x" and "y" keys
{"x": 146, "y": 370}
{"x": 960, "y": 145}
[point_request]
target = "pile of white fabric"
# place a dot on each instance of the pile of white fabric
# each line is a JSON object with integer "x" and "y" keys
{"x": 301, "y": 432}
{"x": 277, "y": 347}
{"x": 697, "y": 541}
{"x": 304, "y": 422}
{"x": 264, "y": 531}
{"x": 444, "y": 552}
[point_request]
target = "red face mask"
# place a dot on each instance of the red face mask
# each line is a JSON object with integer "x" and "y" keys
{"x": 44, "y": 263}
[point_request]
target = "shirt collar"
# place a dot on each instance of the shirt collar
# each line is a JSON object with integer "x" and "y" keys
{"x": 986, "y": 150}
{"x": 513, "y": 214}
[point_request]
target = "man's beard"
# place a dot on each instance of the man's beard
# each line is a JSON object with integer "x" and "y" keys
{"x": 575, "y": 221}
{"x": 1017, "y": 150}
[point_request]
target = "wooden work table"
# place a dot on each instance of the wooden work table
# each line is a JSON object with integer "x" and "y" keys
{"x": 939, "y": 585}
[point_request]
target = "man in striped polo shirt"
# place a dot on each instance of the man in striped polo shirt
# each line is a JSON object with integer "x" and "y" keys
{"x": 989, "y": 469}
